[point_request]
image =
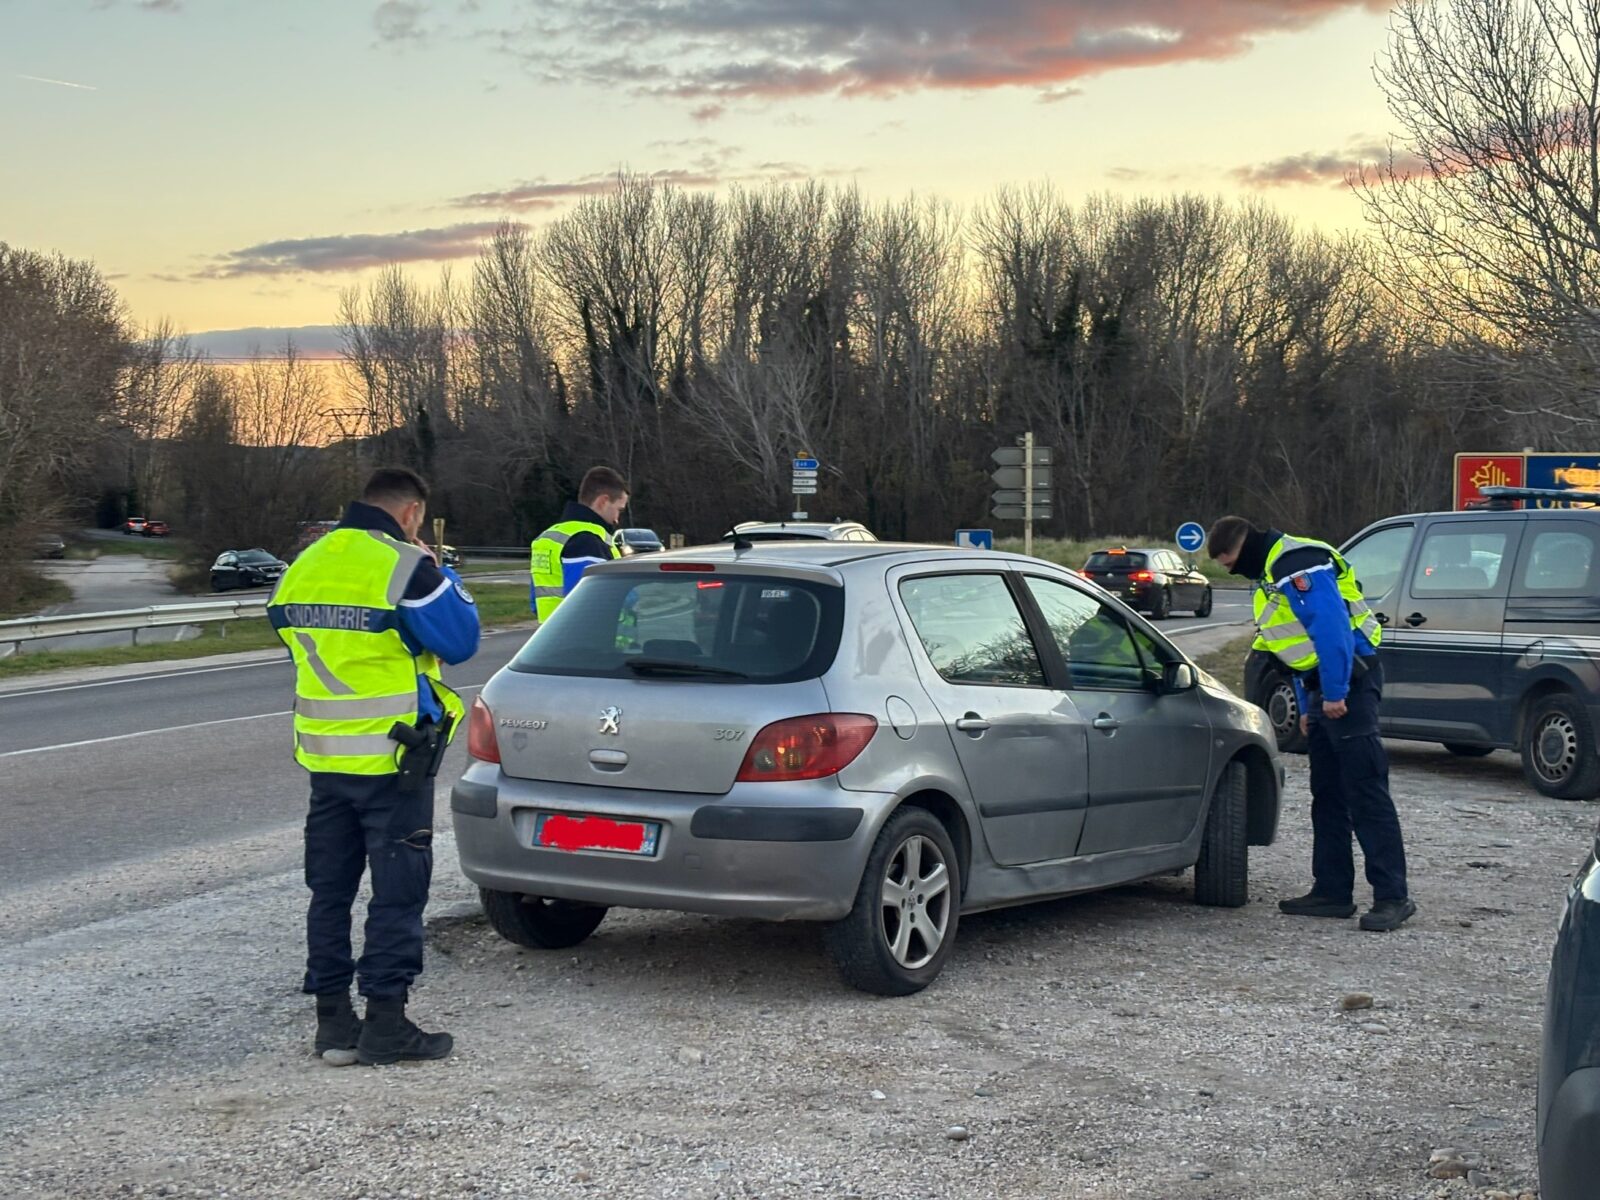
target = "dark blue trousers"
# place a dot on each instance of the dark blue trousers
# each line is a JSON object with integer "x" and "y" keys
{"x": 1350, "y": 794}
{"x": 357, "y": 823}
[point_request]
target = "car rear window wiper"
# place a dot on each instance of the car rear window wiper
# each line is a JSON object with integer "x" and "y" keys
{"x": 667, "y": 666}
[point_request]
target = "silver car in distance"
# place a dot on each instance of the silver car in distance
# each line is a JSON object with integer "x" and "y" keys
{"x": 878, "y": 736}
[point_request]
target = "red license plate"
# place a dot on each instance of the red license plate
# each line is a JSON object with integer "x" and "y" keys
{"x": 581, "y": 831}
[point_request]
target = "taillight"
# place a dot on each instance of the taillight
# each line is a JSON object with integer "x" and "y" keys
{"x": 1143, "y": 576}
{"x": 806, "y": 747}
{"x": 480, "y": 733}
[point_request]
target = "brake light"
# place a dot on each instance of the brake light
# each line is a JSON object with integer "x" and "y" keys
{"x": 1143, "y": 576}
{"x": 812, "y": 747}
{"x": 688, "y": 566}
{"x": 481, "y": 742}
{"x": 704, "y": 584}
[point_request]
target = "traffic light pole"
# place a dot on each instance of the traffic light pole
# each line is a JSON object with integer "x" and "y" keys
{"x": 1027, "y": 488}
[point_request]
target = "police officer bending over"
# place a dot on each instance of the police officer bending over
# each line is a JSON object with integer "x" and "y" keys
{"x": 368, "y": 616}
{"x": 1310, "y": 613}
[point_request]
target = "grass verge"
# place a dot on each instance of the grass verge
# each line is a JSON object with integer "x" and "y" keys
{"x": 173, "y": 548}
{"x": 499, "y": 604}
{"x": 28, "y": 591}
{"x": 1227, "y": 662}
{"x": 1074, "y": 554}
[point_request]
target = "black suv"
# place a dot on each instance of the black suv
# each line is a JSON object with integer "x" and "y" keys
{"x": 1491, "y": 637}
{"x": 1151, "y": 580}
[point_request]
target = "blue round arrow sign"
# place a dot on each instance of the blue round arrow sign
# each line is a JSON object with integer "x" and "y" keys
{"x": 1191, "y": 536}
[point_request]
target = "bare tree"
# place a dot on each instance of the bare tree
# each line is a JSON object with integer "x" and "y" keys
{"x": 160, "y": 375}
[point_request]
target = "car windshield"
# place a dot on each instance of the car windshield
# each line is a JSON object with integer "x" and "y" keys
{"x": 1110, "y": 560}
{"x": 690, "y": 624}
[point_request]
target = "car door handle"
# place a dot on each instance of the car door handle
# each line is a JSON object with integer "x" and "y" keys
{"x": 971, "y": 723}
{"x": 1381, "y": 618}
{"x": 1415, "y": 619}
{"x": 1106, "y": 723}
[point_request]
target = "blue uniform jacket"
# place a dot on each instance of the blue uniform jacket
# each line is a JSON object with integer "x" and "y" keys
{"x": 1310, "y": 579}
{"x": 436, "y": 613}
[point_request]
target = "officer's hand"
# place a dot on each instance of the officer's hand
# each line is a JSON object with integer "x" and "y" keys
{"x": 416, "y": 541}
{"x": 1334, "y": 709}
{"x": 1305, "y": 725}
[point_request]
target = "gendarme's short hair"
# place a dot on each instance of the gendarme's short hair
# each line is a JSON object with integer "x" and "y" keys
{"x": 601, "y": 481}
{"x": 1227, "y": 535}
{"x": 394, "y": 485}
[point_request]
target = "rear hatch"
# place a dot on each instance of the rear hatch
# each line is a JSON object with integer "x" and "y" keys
{"x": 660, "y": 678}
{"x": 1118, "y": 571}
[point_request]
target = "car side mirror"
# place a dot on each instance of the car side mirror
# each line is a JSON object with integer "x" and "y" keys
{"x": 1177, "y": 677}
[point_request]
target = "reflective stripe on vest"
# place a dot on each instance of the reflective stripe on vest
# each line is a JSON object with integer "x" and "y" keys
{"x": 544, "y": 562}
{"x": 1281, "y": 633}
{"x": 335, "y": 609}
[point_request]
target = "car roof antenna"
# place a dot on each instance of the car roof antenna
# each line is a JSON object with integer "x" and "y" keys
{"x": 741, "y": 544}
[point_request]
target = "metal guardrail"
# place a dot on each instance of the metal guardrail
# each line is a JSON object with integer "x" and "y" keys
{"x": 129, "y": 620}
{"x": 493, "y": 551}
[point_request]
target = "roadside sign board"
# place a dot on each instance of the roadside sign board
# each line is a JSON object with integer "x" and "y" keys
{"x": 1477, "y": 471}
{"x": 975, "y": 539}
{"x": 806, "y": 472}
{"x": 804, "y": 487}
{"x": 1191, "y": 536}
{"x": 1014, "y": 456}
{"x": 1016, "y": 477}
{"x": 1573, "y": 472}
{"x": 1016, "y": 512}
{"x": 806, "y": 464}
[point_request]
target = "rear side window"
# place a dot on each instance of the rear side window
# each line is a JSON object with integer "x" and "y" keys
{"x": 1458, "y": 562}
{"x": 1106, "y": 561}
{"x": 1559, "y": 562}
{"x": 972, "y": 630}
{"x": 690, "y": 625}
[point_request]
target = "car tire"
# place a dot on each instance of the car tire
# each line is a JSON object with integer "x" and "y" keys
{"x": 1205, "y": 605}
{"x": 1222, "y": 873}
{"x": 1463, "y": 750}
{"x": 540, "y": 923}
{"x": 1277, "y": 699}
{"x": 1558, "y": 750}
{"x": 868, "y": 944}
{"x": 1161, "y": 605}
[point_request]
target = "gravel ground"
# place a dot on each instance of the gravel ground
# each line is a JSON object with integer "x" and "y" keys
{"x": 1125, "y": 1044}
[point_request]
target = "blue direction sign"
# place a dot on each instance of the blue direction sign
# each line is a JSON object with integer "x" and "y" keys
{"x": 1568, "y": 472}
{"x": 1190, "y": 537}
{"x": 805, "y": 464}
{"x": 975, "y": 539}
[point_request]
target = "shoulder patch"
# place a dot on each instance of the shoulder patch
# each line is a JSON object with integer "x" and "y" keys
{"x": 461, "y": 590}
{"x": 1301, "y": 583}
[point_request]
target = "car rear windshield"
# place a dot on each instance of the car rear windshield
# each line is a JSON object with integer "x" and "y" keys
{"x": 690, "y": 625}
{"x": 776, "y": 535}
{"x": 256, "y": 557}
{"x": 1105, "y": 560}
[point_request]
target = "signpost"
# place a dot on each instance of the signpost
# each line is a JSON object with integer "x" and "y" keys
{"x": 804, "y": 482}
{"x": 1476, "y": 471}
{"x": 1191, "y": 536}
{"x": 975, "y": 539}
{"x": 1023, "y": 483}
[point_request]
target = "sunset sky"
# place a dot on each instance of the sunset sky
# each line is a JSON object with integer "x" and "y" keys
{"x": 236, "y": 163}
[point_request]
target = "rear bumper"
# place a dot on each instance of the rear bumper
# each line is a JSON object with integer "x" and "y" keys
{"x": 791, "y": 851}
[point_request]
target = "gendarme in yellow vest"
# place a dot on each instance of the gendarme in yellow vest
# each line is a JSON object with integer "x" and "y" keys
{"x": 336, "y": 609}
{"x": 1280, "y": 632}
{"x": 544, "y": 562}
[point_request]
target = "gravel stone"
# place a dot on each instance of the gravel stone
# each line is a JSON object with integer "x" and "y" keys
{"x": 1352, "y": 1001}
{"x": 957, "y": 1133}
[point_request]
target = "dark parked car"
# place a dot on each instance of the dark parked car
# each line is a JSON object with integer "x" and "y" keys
{"x": 1151, "y": 580}
{"x": 156, "y": 529}
{"x": 1491, "y": 638}
{"x": 636, "y": 541}
{"x": 245, "y": 569}
{"x": 1569, "y": 1065}
{"x": 49, "y": 545}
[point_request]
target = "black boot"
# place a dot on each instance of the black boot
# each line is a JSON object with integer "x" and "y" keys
{"x": 338, "y": 1029}
{"x": 1313, "y": 905}
{"x": 387, "y": 1036}
{"x": 1388, "y": 915}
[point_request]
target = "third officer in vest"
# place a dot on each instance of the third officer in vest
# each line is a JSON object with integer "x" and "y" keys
{"x": 368, "y": 615}
{"x": 1309, "y": 612}
{"x": 560, "y": 555}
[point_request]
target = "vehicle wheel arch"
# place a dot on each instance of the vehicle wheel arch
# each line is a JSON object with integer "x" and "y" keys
{"x": 1261, "y": 789}
{"x": 1554, "y": 682}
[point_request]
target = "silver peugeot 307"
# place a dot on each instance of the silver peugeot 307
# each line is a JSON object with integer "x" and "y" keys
{"x": 878, "y": 736}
